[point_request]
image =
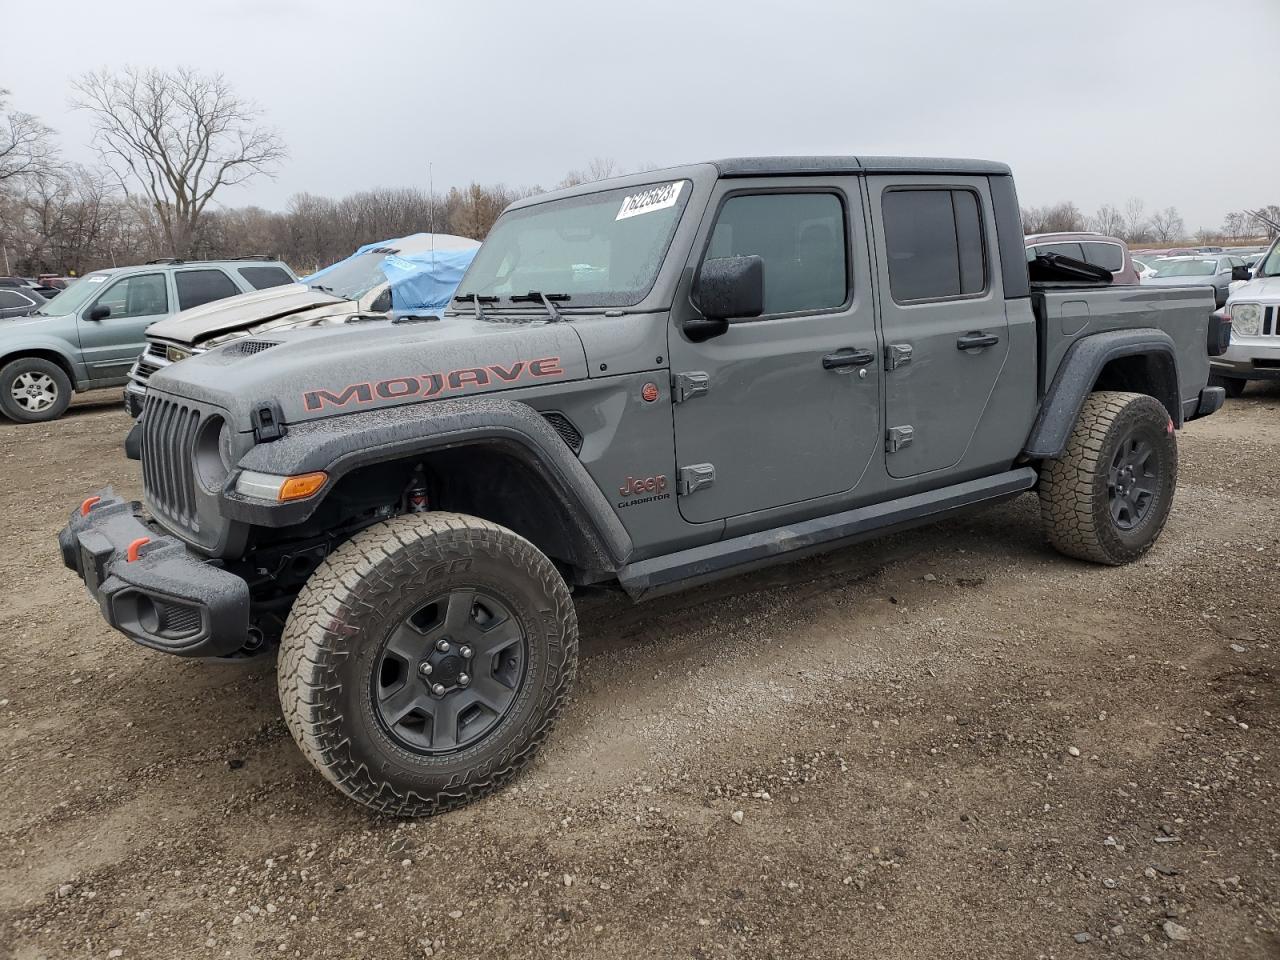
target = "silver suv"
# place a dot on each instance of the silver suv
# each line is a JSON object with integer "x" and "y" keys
{"x": 90, "y": 334}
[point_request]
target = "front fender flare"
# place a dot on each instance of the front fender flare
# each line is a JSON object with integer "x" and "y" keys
{"x": 1078, "y": 372}
{"x": 338, "y": 445}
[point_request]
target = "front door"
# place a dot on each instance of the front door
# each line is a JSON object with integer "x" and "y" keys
{"x": 110, "y": 345}
{"x": 783, "y": 408}
{"x": 942, "y": 313}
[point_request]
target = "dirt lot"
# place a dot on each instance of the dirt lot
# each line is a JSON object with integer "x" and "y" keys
{"x": 898, "y": 724}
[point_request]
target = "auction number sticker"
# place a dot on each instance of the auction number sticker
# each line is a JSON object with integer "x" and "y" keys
{"x": 655, "y": 198}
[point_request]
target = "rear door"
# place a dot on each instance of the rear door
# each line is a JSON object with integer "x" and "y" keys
{"x": 783, "y": 408}
{"x": 110, "y": 345}
{"x": 942, "y": 307}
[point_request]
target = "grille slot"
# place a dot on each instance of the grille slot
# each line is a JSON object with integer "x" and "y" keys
{"x": 568, "y": 432}
{"x": 1267, "y": 315}
{"x": 168, "y": 443}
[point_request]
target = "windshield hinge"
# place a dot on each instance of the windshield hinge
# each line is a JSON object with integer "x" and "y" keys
{"x": 686, "y": 386}
{"x": 268, "y": 422}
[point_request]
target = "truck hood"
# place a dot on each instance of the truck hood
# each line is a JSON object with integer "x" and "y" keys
{"x": 247, "y": 311}
{"x": 1263, "y": 289}
{"x": 321, "y": 372}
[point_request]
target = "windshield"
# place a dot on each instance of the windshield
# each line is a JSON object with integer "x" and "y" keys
{"x": 601, "y": 249}
{"x": 352, "y": 278}
{"x": 1186, "y": 268}
{"x": 78, "y": 293}
{"x": 1270, "y": 264}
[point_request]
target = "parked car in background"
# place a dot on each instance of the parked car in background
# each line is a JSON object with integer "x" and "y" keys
{"x": 1216, "y": 270}
{"x": 46, "y": 291}
{"x": 1110, "y": 253}
{"x": 391, "y": 279}
{"x": 1254, "y": 311}
{"x": 92, "y": 332}
{"x": 1143, "y": 266}
{"x": 18, "y": 302}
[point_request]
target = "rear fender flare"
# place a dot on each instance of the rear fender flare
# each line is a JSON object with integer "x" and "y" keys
{"x": 1078, "y": 372}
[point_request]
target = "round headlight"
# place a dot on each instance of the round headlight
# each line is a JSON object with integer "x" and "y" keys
{"x": 1246, "y": 319}
{"x": 212, "y": 453}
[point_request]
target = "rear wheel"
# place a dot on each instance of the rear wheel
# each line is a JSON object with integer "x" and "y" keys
{"x": 1107, "y": 497}
{"x": 1233, "y": 385}
{"x": 34, "y": 390}
{"x": 426, "y": 660}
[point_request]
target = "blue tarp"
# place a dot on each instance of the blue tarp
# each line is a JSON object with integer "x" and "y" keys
{"x": 419, "y": 281}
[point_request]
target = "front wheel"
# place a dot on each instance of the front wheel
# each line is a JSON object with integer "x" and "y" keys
{"x": 426, "y": 660}
{"x": 1107, "y": 497}
{"x": 34, "y": 390}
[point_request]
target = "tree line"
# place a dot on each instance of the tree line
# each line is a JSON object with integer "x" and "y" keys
{"x": 1165, "y": 227}
{"x": 169, "y": 142}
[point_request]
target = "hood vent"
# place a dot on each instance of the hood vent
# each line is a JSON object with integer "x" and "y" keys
{"x": 248, "y": 347}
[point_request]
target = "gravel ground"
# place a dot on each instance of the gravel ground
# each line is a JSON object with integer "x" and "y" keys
{"x": 948, "y": 743}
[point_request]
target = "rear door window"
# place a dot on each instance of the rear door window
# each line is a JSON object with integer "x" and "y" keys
{"x": 935, "y": 244}
{"x": 260, "y": 278}
{"x": 1073, "y": 250}
{"x": 11, "y": 298}
{"x": 196, "y": 287}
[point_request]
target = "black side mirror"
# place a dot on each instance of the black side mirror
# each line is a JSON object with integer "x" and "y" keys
{"x": 98, "y": 313}
{"x": 731, "y": 288}
{"x": 1241, "y": 273}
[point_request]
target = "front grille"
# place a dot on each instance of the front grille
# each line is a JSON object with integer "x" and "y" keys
{"x": 157, "y": 350}
{"x": 168, "y": 441}
{"x": 568, "y": 432}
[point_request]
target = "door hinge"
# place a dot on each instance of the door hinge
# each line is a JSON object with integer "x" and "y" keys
{"x": 896, "y": 354}
{"x": 693, "y": 478}
{"x": 686, "y": 386}
{"x": 899, "y": 437}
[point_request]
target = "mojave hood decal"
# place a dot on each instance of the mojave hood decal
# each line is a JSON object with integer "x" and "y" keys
{"x": 422, "y": 386}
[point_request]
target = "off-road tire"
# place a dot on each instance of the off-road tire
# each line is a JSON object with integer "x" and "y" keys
{"x": 36, "y": 367}
{"x": 1075, "y": 489}
{"x": 358, "y": 597}
{"x": 1234, "y": 386}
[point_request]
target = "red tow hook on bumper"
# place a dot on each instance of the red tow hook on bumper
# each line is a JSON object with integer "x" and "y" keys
{"x": 131, "y": 554}
{"x": 88, "y": 505}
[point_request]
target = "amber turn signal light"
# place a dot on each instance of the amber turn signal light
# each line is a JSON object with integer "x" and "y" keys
{"x": 304, "y": 485}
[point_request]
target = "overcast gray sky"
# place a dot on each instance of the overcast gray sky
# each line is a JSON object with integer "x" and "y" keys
{"x": 1095, "y": 101}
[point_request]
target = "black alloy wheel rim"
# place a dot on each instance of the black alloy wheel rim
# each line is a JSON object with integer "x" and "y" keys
{"x": 1132, "y": 481}
{"x": 448, "y": 674}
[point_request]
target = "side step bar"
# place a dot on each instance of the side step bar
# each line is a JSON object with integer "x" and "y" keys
{"x": 687, "y": 568}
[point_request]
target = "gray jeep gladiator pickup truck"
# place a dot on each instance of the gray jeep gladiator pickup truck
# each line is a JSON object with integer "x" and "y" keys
{"x": 651, "y": 381}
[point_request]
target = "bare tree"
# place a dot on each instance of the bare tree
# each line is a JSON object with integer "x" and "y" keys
{"x": 600, "y": 168}
{"x": 1107, "y": 220}
{"x": 1136, "y": 226}
{"x": 27, "y": 149}
{"x": 1167, "y": 225}
{"x": 180, "y": 137}
{"x": 1057, "y": 218}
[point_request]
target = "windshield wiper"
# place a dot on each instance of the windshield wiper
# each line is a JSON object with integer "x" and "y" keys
{"x": 476, "y": 299}
{"x": 548, "y": 300}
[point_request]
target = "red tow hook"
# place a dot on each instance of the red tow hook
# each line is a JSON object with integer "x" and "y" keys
{"x": 132, "y": 553}
{"x": 88, "y": 505}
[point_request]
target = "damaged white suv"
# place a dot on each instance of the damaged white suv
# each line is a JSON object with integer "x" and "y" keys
{"x": 1254, "y": 311}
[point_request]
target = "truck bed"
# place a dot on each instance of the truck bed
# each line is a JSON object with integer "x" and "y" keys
{"x": 1066, "y": 312}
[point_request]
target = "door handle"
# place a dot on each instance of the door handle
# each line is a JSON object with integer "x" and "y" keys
{"x": 848, "y": 357}
{"x": 977, "y": 339}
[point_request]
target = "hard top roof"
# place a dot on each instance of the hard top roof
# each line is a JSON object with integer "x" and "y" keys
{"x": 802, "y": 166}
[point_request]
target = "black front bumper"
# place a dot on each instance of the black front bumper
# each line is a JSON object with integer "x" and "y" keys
{"x": 167, "y": 597}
